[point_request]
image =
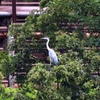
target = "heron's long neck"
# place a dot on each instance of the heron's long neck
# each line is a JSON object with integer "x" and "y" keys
{"x": 47, "y": 44}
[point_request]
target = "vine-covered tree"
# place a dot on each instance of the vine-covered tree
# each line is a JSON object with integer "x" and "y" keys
{"x": 65, "y": 22}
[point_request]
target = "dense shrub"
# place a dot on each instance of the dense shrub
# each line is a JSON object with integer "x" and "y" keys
{"x": 64, "y": 22}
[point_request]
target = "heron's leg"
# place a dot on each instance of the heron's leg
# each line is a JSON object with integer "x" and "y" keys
{"x": 50, "y": 64}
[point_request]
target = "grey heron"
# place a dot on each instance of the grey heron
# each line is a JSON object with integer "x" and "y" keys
{"x": 52, "y": 54}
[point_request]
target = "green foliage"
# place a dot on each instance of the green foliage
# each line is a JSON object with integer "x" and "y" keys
{"x": 26, "y": 93}
{"x": 68, "y": 41}
{"x": 1, "y": 77}
{"x": 6, "y": 65}
{"x": 44, "y": 82}
{"x": 63, "y": 22}
{"x": 23, "y": 35}
{"x": 1, "y": 91}
{"x": 7, "y": 93}
{"x": 85, "y": 13}
{"x": 74, "y": 82}
{"x": 92, "y": 92}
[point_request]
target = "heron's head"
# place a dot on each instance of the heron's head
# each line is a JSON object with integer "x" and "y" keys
{"x": 46, "y": 38}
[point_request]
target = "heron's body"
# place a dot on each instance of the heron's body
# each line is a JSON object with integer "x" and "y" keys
{"x": 52, "y": 54}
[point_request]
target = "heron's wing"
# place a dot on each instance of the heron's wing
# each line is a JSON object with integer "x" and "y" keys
{"x": 53, "y": 56}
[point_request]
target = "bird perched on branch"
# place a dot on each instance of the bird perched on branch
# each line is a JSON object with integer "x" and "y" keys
{"x": 52, "y": 54}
